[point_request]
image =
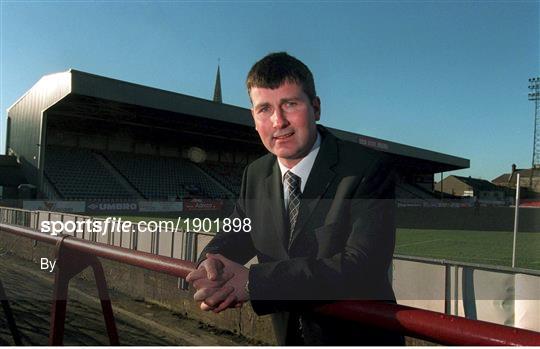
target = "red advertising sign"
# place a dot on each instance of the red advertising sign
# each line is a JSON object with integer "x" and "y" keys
{"x": 203, "y": 204}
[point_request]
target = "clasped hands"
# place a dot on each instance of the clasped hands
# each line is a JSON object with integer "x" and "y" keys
{"x": 219, "y": 283}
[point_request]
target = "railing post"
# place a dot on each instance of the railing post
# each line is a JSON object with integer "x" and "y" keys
{"x": 69, "y": 264}
{"x": 136, "y": 237}
{"x": 189, "y": 253}
{"x": 157, "y": 235}
{"x": 447, "y": 290}
{"x": 35, "y": 214}
{"x": 105, "y": 301}
{"x": 172, "y": 243}
{"x": 455, "y": 289}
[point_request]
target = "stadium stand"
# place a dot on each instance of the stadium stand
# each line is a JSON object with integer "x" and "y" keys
{"x": 230, "y": 175}
{"x": 411, "y": 191}
{"x": 97, "y": 130}
{"x": 164, "y": 177}
{"x": 76, "y": 174}
{"x": 79, "y": 173}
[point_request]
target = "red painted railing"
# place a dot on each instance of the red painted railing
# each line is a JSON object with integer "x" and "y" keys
{"x": 74, "y": 255}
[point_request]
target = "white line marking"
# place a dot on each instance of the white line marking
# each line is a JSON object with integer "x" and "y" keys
{"x": 418, "y": 242}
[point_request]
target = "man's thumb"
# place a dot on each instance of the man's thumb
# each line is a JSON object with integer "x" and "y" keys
{"x": 213, "y": 269}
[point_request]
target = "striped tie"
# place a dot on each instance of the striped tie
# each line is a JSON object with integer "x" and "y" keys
{"x": 293, "y": 185}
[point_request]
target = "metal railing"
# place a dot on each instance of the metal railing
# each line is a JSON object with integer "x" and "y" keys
{"x": 186, "y": 245}
{"x": 172, "y": 243}
{"x": 32, "y": 219}
{"x": 463, "y": 286}
{"x": 75, "y": 254}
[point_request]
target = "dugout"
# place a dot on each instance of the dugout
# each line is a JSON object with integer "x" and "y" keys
{"x": 86, "y": 111}
{"x": 13, "y": 185}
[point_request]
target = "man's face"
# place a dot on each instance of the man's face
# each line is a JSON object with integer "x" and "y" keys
{"x": 285, "y": 119}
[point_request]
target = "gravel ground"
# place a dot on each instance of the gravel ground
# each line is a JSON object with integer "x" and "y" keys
{"x": 30, "y": 291}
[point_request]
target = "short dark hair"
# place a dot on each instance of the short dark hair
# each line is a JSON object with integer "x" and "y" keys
{"x": 276, "y": 68}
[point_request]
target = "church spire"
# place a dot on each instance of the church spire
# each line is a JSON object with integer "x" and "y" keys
{"x": 217, "y": 88}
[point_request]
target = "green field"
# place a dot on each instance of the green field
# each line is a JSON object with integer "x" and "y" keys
{"x": 482, "y": 247}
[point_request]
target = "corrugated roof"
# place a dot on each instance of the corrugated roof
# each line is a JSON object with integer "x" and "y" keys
{"x": 108, "y": 89}
{"x": 126, "y": 92}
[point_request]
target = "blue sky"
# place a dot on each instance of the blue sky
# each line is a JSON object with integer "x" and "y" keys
{"x": 449, "y": 76}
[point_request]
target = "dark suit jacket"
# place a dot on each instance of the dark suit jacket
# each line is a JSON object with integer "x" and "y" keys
{"x": 341, "y": 246}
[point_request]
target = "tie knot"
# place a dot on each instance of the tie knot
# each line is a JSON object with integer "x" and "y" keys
{"x": 293, "y": 181}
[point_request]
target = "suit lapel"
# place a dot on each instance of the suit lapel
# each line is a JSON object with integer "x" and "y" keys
{"x": 319, "y": 180}
{"x": 274, "y": 190}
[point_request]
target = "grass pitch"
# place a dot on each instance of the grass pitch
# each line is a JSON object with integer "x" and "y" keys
{"x": 482, "y": 247}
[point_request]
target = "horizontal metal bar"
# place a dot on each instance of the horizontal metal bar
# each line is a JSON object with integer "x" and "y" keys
{"x": 101, "y": 218}
{"x": 167, "y": 265}
{"x": 419, "y": 323}
{"x": 487, "y": 267}
{"x": 429, "y": 325}
{"x": 13, "y": 209}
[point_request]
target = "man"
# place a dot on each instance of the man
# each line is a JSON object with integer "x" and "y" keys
{"x": 321, "y": 214}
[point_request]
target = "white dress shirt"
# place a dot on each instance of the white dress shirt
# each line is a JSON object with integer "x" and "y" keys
{"x": 301, "y": 169}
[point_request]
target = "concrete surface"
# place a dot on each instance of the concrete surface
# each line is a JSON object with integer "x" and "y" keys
{"x": 139, "y": 323}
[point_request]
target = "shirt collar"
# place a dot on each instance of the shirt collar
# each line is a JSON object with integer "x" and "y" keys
{"x": 303, "y": 168}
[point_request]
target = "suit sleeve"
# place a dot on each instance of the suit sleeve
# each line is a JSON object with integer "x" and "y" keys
{"x": 357, "y": 270}
{"x": 234, "y": 245}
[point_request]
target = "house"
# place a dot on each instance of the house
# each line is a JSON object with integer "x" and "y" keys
{"x": 481, "y": 189}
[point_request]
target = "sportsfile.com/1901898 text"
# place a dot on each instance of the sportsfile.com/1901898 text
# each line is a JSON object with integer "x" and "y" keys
{"x": 196, "y": 225}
